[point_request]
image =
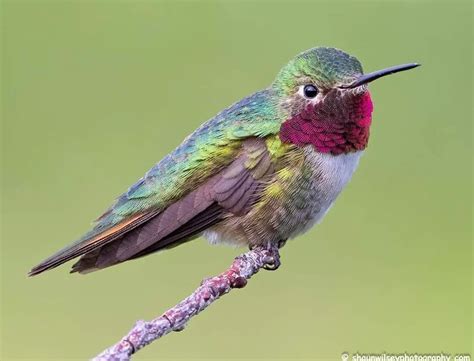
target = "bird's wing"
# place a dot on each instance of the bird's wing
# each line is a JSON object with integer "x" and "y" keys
{"x": 220, "y": 163}
{"x": 231, "y": 191}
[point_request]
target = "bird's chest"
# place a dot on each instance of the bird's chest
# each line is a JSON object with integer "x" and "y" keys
{"x": 330, "y": 173}
{"x": 312, "y": 192}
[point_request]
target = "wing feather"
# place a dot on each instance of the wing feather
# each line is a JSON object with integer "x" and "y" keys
{"x": 231, "y": 191}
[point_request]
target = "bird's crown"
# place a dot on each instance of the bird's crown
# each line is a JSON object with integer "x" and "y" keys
{"x": 326, "y": 67}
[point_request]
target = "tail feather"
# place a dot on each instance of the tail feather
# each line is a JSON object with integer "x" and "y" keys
{"x": 90, "y": 242}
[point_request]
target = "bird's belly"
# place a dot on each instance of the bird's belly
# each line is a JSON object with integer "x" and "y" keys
{"x": 296, "y": 201}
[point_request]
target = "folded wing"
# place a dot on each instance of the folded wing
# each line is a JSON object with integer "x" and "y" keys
{"x": 231, "y": 190}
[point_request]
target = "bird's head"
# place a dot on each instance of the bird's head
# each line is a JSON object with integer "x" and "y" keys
{"x": 324, "y": 93}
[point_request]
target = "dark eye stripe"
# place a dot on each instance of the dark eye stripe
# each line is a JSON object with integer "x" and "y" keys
{"x": 310, "y": 91}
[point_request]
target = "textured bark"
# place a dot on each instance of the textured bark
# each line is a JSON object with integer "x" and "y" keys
{"x": 175, "y": 319}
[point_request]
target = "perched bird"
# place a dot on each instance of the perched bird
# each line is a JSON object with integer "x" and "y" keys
{"x": 263, "y": 170}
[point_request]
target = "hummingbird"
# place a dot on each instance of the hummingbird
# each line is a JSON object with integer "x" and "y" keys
{"x": 262, "y": 171}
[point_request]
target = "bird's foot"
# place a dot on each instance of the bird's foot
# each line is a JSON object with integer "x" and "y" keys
{"x": 272, "y": 260}
{"x": 272, "y": 263}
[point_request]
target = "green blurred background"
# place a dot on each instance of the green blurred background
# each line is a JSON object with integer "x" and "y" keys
{"x": 95, "y": 92}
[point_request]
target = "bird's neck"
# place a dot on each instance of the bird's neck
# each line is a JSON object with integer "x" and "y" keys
{"x": 334, "y": 126}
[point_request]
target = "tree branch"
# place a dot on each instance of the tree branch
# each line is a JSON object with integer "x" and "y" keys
{"x": 175, "y": 319}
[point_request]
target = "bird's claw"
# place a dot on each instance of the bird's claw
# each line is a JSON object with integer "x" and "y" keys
{"x": 272, "y": 263}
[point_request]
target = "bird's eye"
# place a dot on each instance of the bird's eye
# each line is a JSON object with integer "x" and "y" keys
{"x": 310, "y": 91}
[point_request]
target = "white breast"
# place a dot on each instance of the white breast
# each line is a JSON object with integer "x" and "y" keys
{"x": 335, "y": 170}
{"x": 331, "y": 174}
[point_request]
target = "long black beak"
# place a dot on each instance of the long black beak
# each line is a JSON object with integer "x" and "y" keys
{"x": 367, "y": 78}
